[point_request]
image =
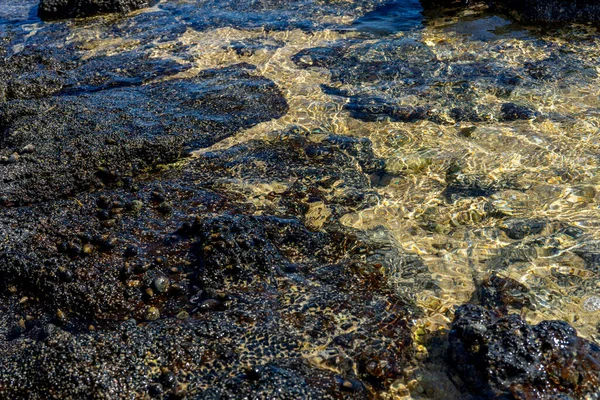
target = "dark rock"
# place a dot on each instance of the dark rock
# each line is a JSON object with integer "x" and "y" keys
{"x": 315, "y": 162}
{"x": 589, "y": 251}
{"x": 501, "y": 356}
{"x": 550, "y": 11}
{"x": 160, "y": 284}
{"x": 168, "y": 379}
{"x": 531, "y": 11}
{"x": 495, "y": 292}
{"x": 377, "y": 85}
{"x": 514, "y": 112}
{"x": 233, "y": 255}
{"x": 519, "y": 228}
{"x": 65, "y": 130}
{"x": 58, "y": 9}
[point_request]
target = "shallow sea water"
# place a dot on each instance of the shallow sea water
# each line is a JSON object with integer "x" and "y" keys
{"x": 543, "y": 168}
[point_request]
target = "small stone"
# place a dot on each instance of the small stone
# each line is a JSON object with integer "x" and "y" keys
{"x": 467, "y": 131}
{"x": 160, "y": 284}
{"x": 183, "y": 315}
{"x": 60, "y": 315}
{"x": 134, "y": 206}
{"x": 157, "y": 196}
{"x": 149, "y": 292}
{"x": 177, "y": 288}
{"x": 13, "y": 158}
{"x": 131, "y": 251}
{"x": 109, "y": 223}
{"x": 168, "y": 379}
{"x": 47, "y": 331}
{"x": 252, "y": 373}
{"x": 116, "y": 211}
{"x": 74, "y": 249}
{"x": 66, "y": 275}
{"x": 108, "y": 244}
{"x": 165, "y": 207}
{"x": 103, "y": 202}
{"x": 103, "y": 215}
{"x": 28, "y": 149}
{"x": 209, "y": 305}
{"x": 155, "y": 389}
{"x": 179, "y": 391}
{"x": 152, "y": 313}
{"x": 87, "y": 249}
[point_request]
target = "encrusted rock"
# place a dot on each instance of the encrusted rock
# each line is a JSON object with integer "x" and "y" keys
{"x": 58, "y": 9}
{"x": 502, "y": 356}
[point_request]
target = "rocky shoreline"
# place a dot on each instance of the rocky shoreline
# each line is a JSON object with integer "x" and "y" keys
{"x": 133, "y": 265}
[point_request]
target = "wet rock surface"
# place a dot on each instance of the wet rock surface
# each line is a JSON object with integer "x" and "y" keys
{"x": 275, "y": 199}
{"x": 551, "y": 11}
{"x": 57, "y": 9}
{"x": 80, "y": 141}
{"x": 530, "y": 11}
{"x": 212, "y": 298}
{"x": 501, "y": 356}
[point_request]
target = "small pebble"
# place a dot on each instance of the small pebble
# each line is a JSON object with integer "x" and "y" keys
{"x": 66, "y": 275}
{"x": 87, "y": 249}
{"x": 152, "y": 314}
{"x": 168, "y": 379}
{"x": 131, "y": 251}
{"x": 155, "y": 389}
{"x": 60, "y": 315}
{"x": 252, "y": 373}
{"x": 158, "y": 196}
{"x": 160, "y": 284}
{"x": 179, "y": 391}
{"x": 134, "y": 206}
{"x": 165, "y": 207}
{"x": 103, "y": 202}
{"x": 108, "y": 244}
{"x": 13, "y": 158}
{"x": 591, "y": 304}
{"x": 209, "y": 305}
{"x": 47, "y": 331}
{"x": 183, "y": 315}
{"x": 28, "y": 149}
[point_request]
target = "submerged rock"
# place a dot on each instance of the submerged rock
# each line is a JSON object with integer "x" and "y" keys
{"x": 58, "y": 9}
{"x": 271, "y": 15}
{"x": 501, "y": 356}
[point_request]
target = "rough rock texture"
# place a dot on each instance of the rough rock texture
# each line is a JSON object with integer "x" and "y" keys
{"x": 376, "y": 85}
{"x": 81, "y": 141}
{"x": 544, "y": 11}
{"x": 532, "y": 11}
{"x": 180, "y": 283}
{"x": 502, "y": 357}
{"x": 57, "y": 9}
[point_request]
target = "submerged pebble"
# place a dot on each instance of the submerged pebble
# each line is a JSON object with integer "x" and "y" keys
{"x": 591, "y": 303}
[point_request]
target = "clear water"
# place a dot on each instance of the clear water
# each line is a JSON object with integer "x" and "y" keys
{"x": 540, "y": 168}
